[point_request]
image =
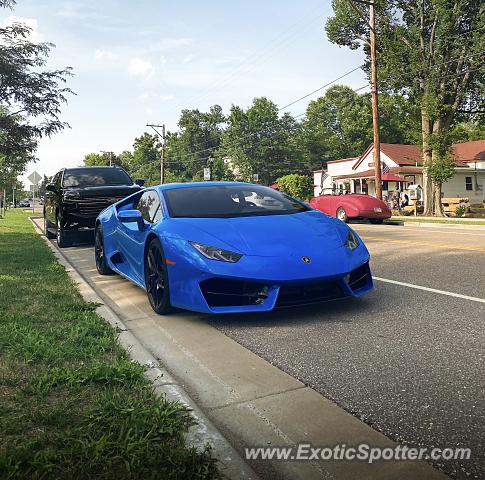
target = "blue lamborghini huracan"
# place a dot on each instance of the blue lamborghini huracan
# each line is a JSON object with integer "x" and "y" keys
{"x": 225, "y": 247}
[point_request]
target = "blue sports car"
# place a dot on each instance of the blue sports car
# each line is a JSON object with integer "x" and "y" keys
{"x": 225, "y": 247}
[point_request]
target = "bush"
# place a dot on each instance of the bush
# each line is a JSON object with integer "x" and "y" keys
{"x": 298, "y": 186}
{"x": 460, "y": 210}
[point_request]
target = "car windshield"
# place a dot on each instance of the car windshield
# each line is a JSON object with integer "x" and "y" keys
{"x": 223, "y": 201}
{"x": 95, "y": 177}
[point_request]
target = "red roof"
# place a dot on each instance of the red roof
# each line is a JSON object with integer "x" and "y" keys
{"x": 469, "y": 151}
{"x": 343, "y": 160}
{"x": 390, "y": 177}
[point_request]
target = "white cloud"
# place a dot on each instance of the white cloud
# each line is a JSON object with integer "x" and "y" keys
{"x": 152, "y": 96}
{"x": 171, "y": 43}
{"x": 101, "y": 54}
{"x": 140, "y": 67}
{"x": 188, "y": 58}
{"x": 32, "y": 23}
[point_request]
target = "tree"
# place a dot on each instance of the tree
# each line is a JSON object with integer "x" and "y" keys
{"x": 145, "y": 161}
{"x": 106, "y": 159}
{"x": 339, "y": 124}
{"x": 189, "y": 150}
{"x": 28, "y": 92}
{"x": 259, "y": 141}
{"x": 432, "y": 52}
{"x": 298, "y": 186}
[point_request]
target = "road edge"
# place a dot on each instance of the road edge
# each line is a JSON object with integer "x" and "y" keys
{"x": 201, "y": 434}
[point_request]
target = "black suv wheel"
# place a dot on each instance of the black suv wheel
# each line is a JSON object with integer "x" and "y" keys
{"x": 61, "y": 235}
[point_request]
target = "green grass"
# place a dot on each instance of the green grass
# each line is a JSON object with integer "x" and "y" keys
{"x": 72, "y": 403}
{"x": 458, "y": 221}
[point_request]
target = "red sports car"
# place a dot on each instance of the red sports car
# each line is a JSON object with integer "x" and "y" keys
{"x": 352, "y": 206}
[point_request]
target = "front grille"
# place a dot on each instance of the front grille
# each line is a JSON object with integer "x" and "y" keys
{"x": 221, "y": 292}
{"x": 94, "y": 206}
{"x": 359, "y": 277}
{"x": 309, "y": 293}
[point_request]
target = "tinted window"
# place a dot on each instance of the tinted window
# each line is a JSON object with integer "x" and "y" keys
{"x": 149, "y": 206}
{"x": 229, "y": 201}
{"x": 94, "y": 177}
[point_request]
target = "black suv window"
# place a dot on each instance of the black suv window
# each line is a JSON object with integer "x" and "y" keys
{"x": 149, "y": 206}
{"x": 94, "y": 177}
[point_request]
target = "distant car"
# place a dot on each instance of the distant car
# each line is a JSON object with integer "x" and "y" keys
{"x": 352, "y": 206}
{"x": 209, "y": 247}
{"x": 76, "y": 196}
{"x": 24, "y": 203}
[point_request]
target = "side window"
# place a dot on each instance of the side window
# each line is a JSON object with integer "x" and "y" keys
{"x": 468, "y": 183}
{"x": 149, "y": 206}
{"x": 55, "y": 179}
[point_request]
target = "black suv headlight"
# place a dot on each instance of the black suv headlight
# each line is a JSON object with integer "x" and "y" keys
{"x": 215, "y": 253}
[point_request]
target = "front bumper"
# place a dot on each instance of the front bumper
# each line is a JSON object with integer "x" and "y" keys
{"x": 264, "y": 283}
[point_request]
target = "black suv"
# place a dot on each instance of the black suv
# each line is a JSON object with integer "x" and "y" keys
{"x": 76, "y": 196}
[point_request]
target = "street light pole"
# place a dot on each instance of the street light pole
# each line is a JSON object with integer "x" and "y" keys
{"x": 375, "y": 100}
{"x": 162, "y": 150}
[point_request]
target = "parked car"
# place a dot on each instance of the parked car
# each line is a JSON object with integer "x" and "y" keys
{"x": 352, "y": 206}
{"x": 76, "y": 196}
{"x": 206, "y": 247}
{"x": 24, "y": 203}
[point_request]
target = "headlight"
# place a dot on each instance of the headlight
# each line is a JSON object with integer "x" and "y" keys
{"x": 215, "y": 253}
{"x": 351, "y": 241}
{"x": 71, "y": 195}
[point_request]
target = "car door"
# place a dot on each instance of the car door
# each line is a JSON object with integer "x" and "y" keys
{"x": 132, "y": 237}
{"x": 52, "y": 199}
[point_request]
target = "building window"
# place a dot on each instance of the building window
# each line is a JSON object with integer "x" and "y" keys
{"x": 468, "y": 183}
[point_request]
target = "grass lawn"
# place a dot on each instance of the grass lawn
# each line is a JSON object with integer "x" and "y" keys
{"x": 72, "y": 403}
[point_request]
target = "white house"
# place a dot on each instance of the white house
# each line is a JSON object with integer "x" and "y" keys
{"x": 401, "y": 166}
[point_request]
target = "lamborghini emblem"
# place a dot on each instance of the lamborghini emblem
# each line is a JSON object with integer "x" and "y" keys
{"x": 306, "y": 259}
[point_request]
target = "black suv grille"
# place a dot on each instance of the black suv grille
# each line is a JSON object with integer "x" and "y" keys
{"x": 94, "y": 206}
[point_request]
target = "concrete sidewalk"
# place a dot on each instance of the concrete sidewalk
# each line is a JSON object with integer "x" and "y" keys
{"x": 249, "y": 400}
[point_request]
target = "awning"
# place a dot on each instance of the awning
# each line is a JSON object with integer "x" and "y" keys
{"x": 392, "y": 177}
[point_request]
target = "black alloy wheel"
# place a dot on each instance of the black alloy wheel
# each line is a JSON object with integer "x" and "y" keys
{"x": 99, "y": 254}
{"x": 156, "y": 278}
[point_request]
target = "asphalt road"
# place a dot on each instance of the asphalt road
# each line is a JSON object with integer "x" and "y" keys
{"x": 410, "y": 362}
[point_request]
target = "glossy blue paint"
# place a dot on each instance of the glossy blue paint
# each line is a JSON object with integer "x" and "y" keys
{"x": 272, "y": 248}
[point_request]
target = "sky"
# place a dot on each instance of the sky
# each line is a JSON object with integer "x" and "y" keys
{"x": 143, "y": 62}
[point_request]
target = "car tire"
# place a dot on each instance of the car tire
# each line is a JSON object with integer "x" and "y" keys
{"x": 376, "y": 221}
{"x": 342, "y": 214}
{"x": 61, "y": 235}
{"x": 47, "y": 226}
{"x": 156, "y": 278}
{"x": 99, "y": 253}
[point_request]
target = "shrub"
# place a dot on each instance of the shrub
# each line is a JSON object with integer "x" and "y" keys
{"x": 298, "y": 186}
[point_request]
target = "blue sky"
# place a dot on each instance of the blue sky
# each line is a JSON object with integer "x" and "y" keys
{"x": 142, "y": 62}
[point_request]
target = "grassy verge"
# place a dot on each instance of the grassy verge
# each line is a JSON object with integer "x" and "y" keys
{"x": 73, "y": 404}
{"x": 439, "y": 220}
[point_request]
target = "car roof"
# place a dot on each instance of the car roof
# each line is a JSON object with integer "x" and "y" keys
{"x": 171, "y": 186}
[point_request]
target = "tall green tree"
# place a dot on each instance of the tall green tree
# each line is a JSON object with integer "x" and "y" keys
{"x": 145, "y": 161}
{"x": 259, "y": 141}
{"x": 339, "y": 124}
{"x": 432, "y": 52}
{"x": 31, "y": 96}
{"x": 188, "y": 151}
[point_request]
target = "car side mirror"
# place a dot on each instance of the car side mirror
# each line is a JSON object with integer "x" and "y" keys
{"x": 51, "y": 187}
{"x": 140, "y": 182}
{"x": 132, "y": 216}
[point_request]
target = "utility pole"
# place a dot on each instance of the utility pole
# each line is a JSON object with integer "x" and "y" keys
{"x": 162, "y": 150}
{"x": 375, "y": 100}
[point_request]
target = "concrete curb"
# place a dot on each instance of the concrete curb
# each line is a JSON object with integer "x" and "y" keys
{"x": 450, "y": 225}
{"x": 201, "y": 434}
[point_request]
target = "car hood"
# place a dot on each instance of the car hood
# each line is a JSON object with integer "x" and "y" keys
{"x": 273, "y": 235}
{"x": 115, "y": 191}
